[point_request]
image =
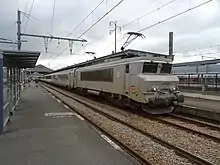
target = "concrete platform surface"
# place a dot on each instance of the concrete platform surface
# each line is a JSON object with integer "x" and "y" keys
{"x": 204, "y": 104}
{"x": 34, "y": 137}
{"x": 202, "y": 96}
{"x": 204, "y": 108}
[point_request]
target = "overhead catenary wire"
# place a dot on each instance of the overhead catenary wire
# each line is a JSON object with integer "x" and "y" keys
{"x": 85, "y": 18}
{"x": 101, "y": 18}
{"x": 199, "y": 49}
{"x": 25, "y": 9}
{"x": 94, "y": 24}
{"x": 171, "y": 17}
{"x": 51, "y": 26}
{"x": 32, "y": 5}
{"x": 151, "y": 12}
{"x": 176, "y": 15}
{"x": 52, "y": 20}
{"x": 80, "y": 24}
{"x": 192, "y": 8}
{"x": 131, "y": 22}
{"x": 121, "y": 26}
{"x": 200, "y": 54}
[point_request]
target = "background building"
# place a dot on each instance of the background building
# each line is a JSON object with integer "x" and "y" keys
{"x": 34, "y": 73}
{"x": 197, "y": 67}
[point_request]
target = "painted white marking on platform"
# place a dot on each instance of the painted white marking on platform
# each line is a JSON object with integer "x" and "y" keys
{"x": 59, "y": 114}
{"x": 80, "y": 117}
{"x": 189, "y": 106}
{"x": 111, "y": 142}
{"x": 65, "y": 106}
{"x": 58, "y": 101}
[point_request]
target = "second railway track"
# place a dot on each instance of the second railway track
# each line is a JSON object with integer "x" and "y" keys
{"x": 192, "y": 157}
{"x": 202, "y": 129}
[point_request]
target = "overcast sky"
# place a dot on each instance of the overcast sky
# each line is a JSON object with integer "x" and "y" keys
{"x": 194, "y": 31}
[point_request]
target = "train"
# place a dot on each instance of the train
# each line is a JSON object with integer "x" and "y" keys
{"x": 207, "y": 80}
{"x": 199, "y": 74}
{"x": 132, "y": 78}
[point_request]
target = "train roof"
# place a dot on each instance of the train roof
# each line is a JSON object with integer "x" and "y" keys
{"x": 130, "y": 53}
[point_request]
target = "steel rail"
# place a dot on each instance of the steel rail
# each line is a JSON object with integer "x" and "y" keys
{"x": 178, "y": 150}
{"x": 205, "y": 124}
{"x": 161, "y": 120}
{"x": 122, "y": 145}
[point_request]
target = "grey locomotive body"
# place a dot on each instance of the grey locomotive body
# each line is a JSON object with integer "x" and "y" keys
{"x": 144, "y": 80}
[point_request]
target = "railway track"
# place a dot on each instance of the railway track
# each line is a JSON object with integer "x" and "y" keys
{"x": 184, "y": 153}
{"x": 190, "y": 125}
{"x": 140, "y": 158}
{"x": 197, "y": 122}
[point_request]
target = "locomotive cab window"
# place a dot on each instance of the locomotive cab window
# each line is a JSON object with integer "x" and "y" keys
{"x": 166, "y": 68}
{"x": 149, "y": 67}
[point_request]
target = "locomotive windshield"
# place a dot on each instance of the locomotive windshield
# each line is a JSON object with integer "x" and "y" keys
{"x": 150, "y": 67}
{"x": 166, "y": 68}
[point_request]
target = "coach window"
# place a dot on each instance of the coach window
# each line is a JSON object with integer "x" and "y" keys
{"x": 127, "y": 68}
{"x": 150, "y": 67}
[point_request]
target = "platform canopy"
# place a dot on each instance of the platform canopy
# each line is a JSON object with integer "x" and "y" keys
{"x": 196, "y": 63}
{"x": 20, "y": 59}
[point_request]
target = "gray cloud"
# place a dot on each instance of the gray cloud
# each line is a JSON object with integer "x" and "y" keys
{"x": 197, "y": 28}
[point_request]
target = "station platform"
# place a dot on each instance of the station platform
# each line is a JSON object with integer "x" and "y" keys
{"x": 207, "y": 94}
{"x": 203, "y": 96}
{"x": 35, "y": 136}
{"x": 205, "y": 104}
{"x": 201, "y": 107}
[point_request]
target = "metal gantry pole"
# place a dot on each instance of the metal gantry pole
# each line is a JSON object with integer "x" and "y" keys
{"x": 17, "y": 87}
{"x": 45, "y": 37}
{"x": 52, "y": 37}
{"x": 114, "y": 23}
{"x": 19, "y": 83}
{"x": 170, "y": 43}
{"x": 1, "y": 95}
{"x": 115, "y": 36}
{"x": 19, "y": 29}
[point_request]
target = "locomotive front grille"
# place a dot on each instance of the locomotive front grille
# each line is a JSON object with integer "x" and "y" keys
{"x": 164, "y": 90}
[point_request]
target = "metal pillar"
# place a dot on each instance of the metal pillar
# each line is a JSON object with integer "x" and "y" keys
{"x": 11, "y": 90}
{"x": 14, "y": 91}
{"x": 115, "y": 37}
{"x": 171, "y": 43}
{"x": 19, "y": 83}
{"x": 7, "y": 103}
{"x": 16, "y": 71}
{"x": 18, "y": 86}
{"x": 1, "y": 95}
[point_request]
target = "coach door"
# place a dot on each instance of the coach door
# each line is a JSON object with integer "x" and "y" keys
{"x": 69, "y": 80}
{"x": 127, "y": 80}
{"x": 74, "y": 78}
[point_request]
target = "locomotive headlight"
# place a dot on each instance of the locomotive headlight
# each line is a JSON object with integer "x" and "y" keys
{"x": 154, "y": 89}
{"x": 172, "y": 89}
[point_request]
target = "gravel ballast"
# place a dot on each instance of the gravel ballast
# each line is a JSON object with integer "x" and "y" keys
{"x": 193, "y": 143}
{"x": 153, "y": 152}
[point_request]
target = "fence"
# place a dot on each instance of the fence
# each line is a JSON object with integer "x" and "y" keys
{"x": 207, "y": 81}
